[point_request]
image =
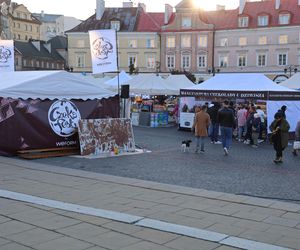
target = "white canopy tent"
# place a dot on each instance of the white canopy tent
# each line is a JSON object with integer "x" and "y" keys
{"x": 249, "y": 86}
{"x": 293, "y": 82}
{"x": 49, "y": 85}
{"x": 150, "y": 84}
{"x": 118, "y": 80}
{"x": 178, "y": 82}
{"x": 99, "y": 81}
{"x": 239, "y": 82}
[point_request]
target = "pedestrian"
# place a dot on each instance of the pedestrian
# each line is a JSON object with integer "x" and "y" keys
{"x": 250, "y": 118}
{"x": 282, "y": 110}
{"x": 297, "y": 138}
{"x": 280, "y": 135}
{"x": 214, "y": 131}
{"x": 256, "y": 126}
{"x": 262, "y": 124}
{"x": 201, "y": 124}
{"x": 241, "y": 118}
{"x": 226, "y": 121}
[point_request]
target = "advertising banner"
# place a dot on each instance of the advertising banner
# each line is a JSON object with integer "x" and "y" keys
{"x": 103, "y": 51}
{"x": 7, "y": 60}
{"x": 43, "y": 124}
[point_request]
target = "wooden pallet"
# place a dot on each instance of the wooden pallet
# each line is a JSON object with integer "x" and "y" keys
{"x": 48, "y": 152}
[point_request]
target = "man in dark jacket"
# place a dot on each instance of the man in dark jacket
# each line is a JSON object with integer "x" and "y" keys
{"x": 213, "y": 113}
{"x": 226, "y": 120}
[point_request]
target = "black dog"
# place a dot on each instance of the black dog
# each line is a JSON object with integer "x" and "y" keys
{"x": 185, "y": 145}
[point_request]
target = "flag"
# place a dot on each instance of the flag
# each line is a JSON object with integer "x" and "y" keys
{"x": 103, "y": 51}
{"x": 7, "y": 60}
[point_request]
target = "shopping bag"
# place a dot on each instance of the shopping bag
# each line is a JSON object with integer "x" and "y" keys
{"x": 296, "y": 145}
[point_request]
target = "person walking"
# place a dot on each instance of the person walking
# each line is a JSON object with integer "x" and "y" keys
{"x": 241, "y": 118}
{"x": 297, "y": 137}
{"x": 227, "y": 122}
{"x": 280, "y": 135}
{"x": 256, "y": 126}
{"x": 201, "y": 124}
{"x": 214, "y": 132}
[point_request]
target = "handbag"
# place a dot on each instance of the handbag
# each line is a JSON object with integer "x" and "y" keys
{"x": 296, "y": 145}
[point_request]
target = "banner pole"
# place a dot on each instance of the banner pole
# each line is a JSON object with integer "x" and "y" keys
{"x": 118, "y": 71}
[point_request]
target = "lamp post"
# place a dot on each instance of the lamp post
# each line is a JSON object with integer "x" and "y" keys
{"x": 291, "y": 68}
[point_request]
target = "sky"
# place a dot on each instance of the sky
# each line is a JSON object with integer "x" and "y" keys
{"x": 84, "y": 9}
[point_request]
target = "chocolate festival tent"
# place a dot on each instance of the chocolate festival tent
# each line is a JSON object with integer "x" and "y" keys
{"x": 250, "y": 87}
{"x": 293, "y": 82}
{"x": 41, "y": 109}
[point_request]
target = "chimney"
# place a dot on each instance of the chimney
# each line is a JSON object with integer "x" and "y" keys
{"x": 127, "y": 4}
{"x": 168, "y": 13}
{"x": 42, "y": 14}
{"x": 242, "y": 6}
{"x": 222, "y": 7}
{"x": 36, "y": 44}
{"x": 100, "y": 7}
{"x": 277, "y": 4}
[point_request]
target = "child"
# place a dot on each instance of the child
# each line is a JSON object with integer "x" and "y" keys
{"x": 256, "y": 125}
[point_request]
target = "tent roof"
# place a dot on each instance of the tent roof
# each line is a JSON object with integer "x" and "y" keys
{"x": 293, "y": 82}
{"x": 123, "y": 77}
{"x": 49, "y": 85}
{"x": 178, "y": 82}
{"x": 239, "y": 82}
{"x": 150, "y": 84}
{"x": 99, "y": 81}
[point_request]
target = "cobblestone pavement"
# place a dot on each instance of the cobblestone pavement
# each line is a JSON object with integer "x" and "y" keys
{"x": 46, "y": 207}
{"x": 246, "y": 170}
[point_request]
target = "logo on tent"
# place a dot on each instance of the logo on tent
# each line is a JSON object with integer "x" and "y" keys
{"x": 63, "y": 117}
{"x": 5, "y": 53}
{"x": 101, "y": 47}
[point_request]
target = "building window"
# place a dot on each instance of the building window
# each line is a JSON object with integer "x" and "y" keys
{"x": 115, "y": 25}
{"x": 282, "y": 59}
{"x": 186, "y": 22}
{"x": 24, "y": 16}
{"x": 262, "y": 40}
{"x": 80, "y": 61}
{"x": 223, "y": 61}
{"x": 283, "y": 39}
{"x": 243, "y": 21}
{"x": 201, "y": 61}
{"x": 19, "y": 37}
{"x": 18, "y": 25}
{"x": 185, "y": 41}
{"x": 14, "y": 25}
{"x": 18, "y": 15}
{"x": 263, "y": 21}
{"x": 26, "y": 27}
{"x": 37, "y": 29}
{"x": 170, "y": 61}
{"x": 132, "y": 59}
{"x": 30, "y": 27}
{"x": 224, "y": 42}
{"x": 171, "y": 42}
{"x": 202, "y": 41}
{"x": 185, "y": 61}
{"x": 261, "y": 60}
{"x": 150, "y": 43}
{"x": 242, "y": 41}
{"x": 37, "y": 63}
{"x": 132, "y": 43}
{"x": 150, "y": 61}
{"x": 242, "y": 60}
{"x": 284, "y": 19}
{"x": 26, "y": 38}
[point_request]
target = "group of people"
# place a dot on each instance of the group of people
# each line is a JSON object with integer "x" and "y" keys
{"x": 249, "y": 122}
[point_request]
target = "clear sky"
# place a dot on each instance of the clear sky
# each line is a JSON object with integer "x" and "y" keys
{"x": 86, "y": 8}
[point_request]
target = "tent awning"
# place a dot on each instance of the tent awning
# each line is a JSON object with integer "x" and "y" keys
{"x": 49, "y": 85}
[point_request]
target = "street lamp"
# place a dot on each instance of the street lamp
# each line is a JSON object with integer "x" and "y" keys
{"x": 291, "y": 68}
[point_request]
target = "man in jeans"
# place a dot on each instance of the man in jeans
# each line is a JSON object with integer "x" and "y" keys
{"x": 213, "y": 113}
{"x": 226, "y": 121}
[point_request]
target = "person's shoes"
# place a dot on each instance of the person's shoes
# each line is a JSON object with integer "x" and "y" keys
{"x": 218, "y": 142}
{"x": 225, "y": 151}
{"x": 202, "y": 151}
{"x": 196, "y": 151}
{"x": 212, "y": 142}
{"x": 247, "y": 142}
{"x": 278, "y": 160}
{"x": 240, "y": 140}
{"x": 260, "y": 141}
{"x": 254, "y": 146}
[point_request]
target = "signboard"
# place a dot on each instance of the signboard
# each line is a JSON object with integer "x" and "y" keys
{"x": 103, "y": 51}
{"x": 7, "y": 60}
{"x": 103, "y": 136}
